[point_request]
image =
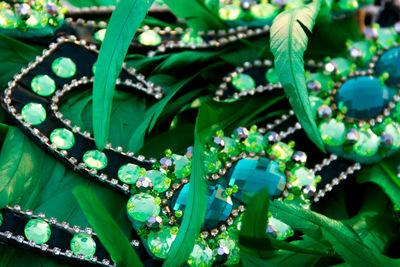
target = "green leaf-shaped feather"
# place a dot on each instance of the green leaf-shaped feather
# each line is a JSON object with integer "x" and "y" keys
{"x": 123, "y": 24}
{"x": 288, "y": 43}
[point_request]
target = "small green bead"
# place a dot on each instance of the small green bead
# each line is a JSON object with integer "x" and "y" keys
{"x": 37, "y": 230}
{"x": 62, "y": 138}
{"x": 178, "y": 213}
{"x": 272, "y": 76}
{"x": 99, "y": 35}
{"x": 281, "y": 151}
{"x": 64, "y": 67}
{"x": 83, "y": 244}
{"x": 243, "y": 81}
{"x": 183, "y": 166}
{"x": 235, "y": 188}
{"x": 43, "y": 85}
{"x": 95, "y": 159}
{"x": 254, "y": 142}
{"x": 34, "y": 113}
{"x": 192, "y": 38}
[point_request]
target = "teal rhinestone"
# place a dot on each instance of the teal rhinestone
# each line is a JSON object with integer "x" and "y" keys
{"x": 393, "y": 129}
{"x": 183, "y": 166}
{"x": 142, "y": 206}
{"x": 219, "y": 206}
{"x": 230, "y": 12}
{"x": 302, "y": 176}
{"x": 150, "y": 38}
{"x": 243, "y": 81}
{"x": 251, "y": 175}
{"x": 160, "y": 242}
{"x": 389, "y": 62}
{"x": 34, "y": 113}
{"x": 254, "y": 142}
{"x": 63, "y": 67}
{"x": 367, "y": 144}
{"x": 43, "y": 85}
{"x": 272, "y": 76}
{"x": 263, "y": 11}
{"x": 332, "y": 132}
{"x": 62, "y": 138}
{"x": 192, "y": 38}
{"x": 201, "y": 256}
{"x": 8, "y": 20}
{"x": 281, "y": 151}
{"x": 364, "y": 97}
{"x": 315, "y": 103}
{"x": 129, "y": 173}
{"x": 83, "y": 244}
{"x": 37, "y": 230}
{"x": 159, "y": 179}
{"x": 99, "y": 35}
{"x": 95, "y": 159}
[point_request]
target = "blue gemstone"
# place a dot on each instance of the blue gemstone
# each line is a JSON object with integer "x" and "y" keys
{"x": 252, "y": 175}
{"x": 389, "y": 62}
{"x": 364, "y": 97}
{"x": 218, "y": 207}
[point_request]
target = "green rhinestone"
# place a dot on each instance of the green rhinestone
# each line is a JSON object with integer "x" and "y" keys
{"x": 347, "y": 5}
{"x": 230, "y": 147}
{"x": 340, "y": 65}
{"x": 95, "y": 159}
{"x": 332, "y": 132}
{"x": 64, "y": 67}
{"x": 99, "y": 35}
{"x": 254, "y": 142}
{"x": 283, "y": 230}
{"x": 366, "y": 48}
{"x": 160, "y": 242}
{"x": 43, "y": 85}
{"x": 201, "y": 256}
{"x": 272, "y": 76}
{"x": 325, "y": 80}
{"x": 281, "y": 151}
{"x": 192, "y": 38}
{"x": 8, "y": 20}
{"x": 386, "y": 36}
{"x": 393, "y": 129}
{"x": 263, "y": 11}
{"x": 83, "y": 244}
{"x": 34, "y": 113}
{"x": 62, "y": 138}
{"x": 367, "y": 144}
{"x": 37, "y": 230}
{"x": 243, "y": 81}
{"x": 159, "y": 179}
{"x": 229, "y": 12}
{"x": 142, "y": 206}
{"x": 183, "y": 166}
{"x": 150, "y": 38}
{"x": 37, "y": 20}
{"x": 129, "y": 173}
{"x": 178, "y": 213}
{"x": 315, "y": 103}
{"x": 302, "y": 176}
{"x": 211, "y": 161}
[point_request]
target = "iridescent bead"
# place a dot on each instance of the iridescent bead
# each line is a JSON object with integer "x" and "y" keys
{"x": 299, "y": 156}
{"x": 386, "y": 139}
{"x": 352, "y": 135}
{"x": 154, "y": 222}
{"x": 271, "y": 137}
{"x": 314, "y": 86}
{"x": 324, "y": 112}
{"x": 241, "y": 132}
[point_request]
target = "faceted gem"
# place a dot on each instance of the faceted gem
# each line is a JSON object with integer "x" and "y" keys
{"x": 63, "y": 67}
{"x": 251, "y": 175}
{"x": 192, "y": 38}
{"x": 386, "y": 139}
{"x": 37, "y": 230}
{"x": 43, "y": 85}
{"x": 332, "y": 132}
{"x": 37, "y": 20}
{"x": 95, "y": 159}
{"x": 154, "y": 222}
{"x": 99, "y": 35}
{"x": 83, "y": 244}
{"x": 263, "y": 11}
{"x": 299, "y": 156}
{"x": 23, "y": 10}
{"x": 386, "y": 36}
{"x": 368, "y": 143}
{"x": 388, "y": 62}
{"x": 219, "y": 205}
{"x": 243, "y": 81}
{"x": 339, "y": 65}
{"x": 315, "y": 102}
{"x": 52, "y": 9}
{"x": 160, "y": 242}
{"x": 282, "y": 230}
{"x": 8, "y": 20}
{"x": 159, "y": 179}
{"x": 34, "y": 113}
{"x": 211, "y": 161}
{"x": 230, "y": 12}
{"x": 324, "y": 112}
{"x": 393, "y": 129}
{"x": 245, "y": 4}
{"x": 62, "y": 138}
{"x": 364, "y": 97}
{"x": 129, "y": 173}
{"x": 281, "y": 151}
{"x": 254, "y": 142}
{"x": 144, "y": 184}
{"x": 150, "y": 38}
{"x": 271, "y": 137}
{"x": 241, "y": 133}
{"x": 230, "y": 147}
{"x": 142, "y": 206}
{"x": 201, "y": 256}
{"x": 272, "y": 76}
{"x": 183, "y": 166}
{"x": 302, "y": 176}
{"x": 365, "y": 48}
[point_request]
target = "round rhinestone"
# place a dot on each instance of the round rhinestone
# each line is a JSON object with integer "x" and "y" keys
{"x": 367, "y": 144}
{"x": 243, "y": 81}
{"x": 142, "y": 206}
{"x": 8, "y": 20}
{"x": 129, "y": 173}
{"x": 159, "y": 179}
{"x": 150, "y": 38}
{"x": 272, "y": 76}
{"x": 83, "y": 244}
{"x": 99, "y": 35}
{"x": 332, "y": 132}
{"x": 37, "y": 230}
{"x": 63, "y": 67}
{"x": 34, "y": 113}
{"x": 62, "y": 138}
{"x": 43, "y": 85}
{"x": 160, "y": 242}
{"x": 229, "y": 12}
{"x": 263, "y": 11}
{"x": 95, "y": 159}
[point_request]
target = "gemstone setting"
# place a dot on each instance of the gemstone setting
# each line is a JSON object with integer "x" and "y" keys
{"x": 37, "y": 230}
{"x": 95, "y": 159}
{"x": 62, "y": 138}
{"x": 43, "y": 85}
{"x": 64, "y": 67}
{"x": 34, "y": 113}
